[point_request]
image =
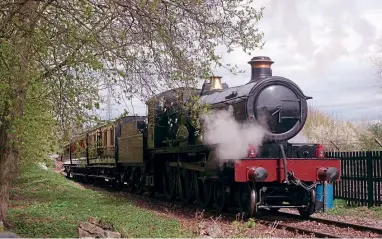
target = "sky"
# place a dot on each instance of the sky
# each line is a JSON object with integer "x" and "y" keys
{"x": 327, "y": 47}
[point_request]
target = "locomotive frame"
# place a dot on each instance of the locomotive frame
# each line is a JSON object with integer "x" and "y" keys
{"x": 163, "y": 152}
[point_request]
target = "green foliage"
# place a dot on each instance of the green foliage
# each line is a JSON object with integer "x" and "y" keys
{"x": 368, "y": 138}
{"x": 56, "y": 58}
{"x": 36, "y": 130}
{"x": 28, "y": 121}
{"x": 124, "y": 114}
{"x": 45, "y": 204}
{"x": 243, "y": 228}
{"x": 196, "y": 110}
{"x": 251, "y": 223}
{"x": 134, "y": 48}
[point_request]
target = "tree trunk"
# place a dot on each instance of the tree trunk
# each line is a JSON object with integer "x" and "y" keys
{"x": 14, "y": 105}
{"x": 14, "y": 101}
{"x": 9, "y": 150}
{"x": 8, "y": 163}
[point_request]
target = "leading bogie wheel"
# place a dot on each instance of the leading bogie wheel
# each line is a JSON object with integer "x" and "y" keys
{"x": 310, "y": 202}
{"x": 248, "y": 198}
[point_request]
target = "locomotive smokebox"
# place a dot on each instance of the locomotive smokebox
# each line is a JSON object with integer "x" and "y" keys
{"x": 261, "y": 68}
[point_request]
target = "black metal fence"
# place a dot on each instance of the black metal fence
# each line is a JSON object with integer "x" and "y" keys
{"x": 361, "y": 177}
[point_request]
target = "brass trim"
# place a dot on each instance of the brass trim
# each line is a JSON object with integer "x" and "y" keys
{"x": 260, "y": 65}
{"x": 216, "y": 83}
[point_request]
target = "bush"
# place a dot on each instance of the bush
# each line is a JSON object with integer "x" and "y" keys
{"x": 368, "y": 138}
{"x": 329, "y": 130}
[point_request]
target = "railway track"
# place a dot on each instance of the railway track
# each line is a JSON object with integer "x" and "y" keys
{"x": 278, "y": 221}
{"x": 283, "y": 220}
{"x": 297, "y": 229}
{"x": 319, "y": 233}
{"x": 342, "y": 224}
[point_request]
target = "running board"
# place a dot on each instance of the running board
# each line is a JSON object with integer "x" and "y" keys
{"x": 281, "y": 206}
{"x": 100, "y": 176}
{"x": 107, "y": 179}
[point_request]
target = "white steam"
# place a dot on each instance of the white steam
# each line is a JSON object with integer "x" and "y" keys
{"x": 300, "y": 138}
{"x": 231, "y": 138}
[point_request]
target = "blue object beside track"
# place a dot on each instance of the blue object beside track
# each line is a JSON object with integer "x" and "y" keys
{"x": 329, "y": 196}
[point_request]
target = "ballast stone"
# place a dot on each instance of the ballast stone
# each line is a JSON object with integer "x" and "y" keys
{"x": 8, "y": 235}
{"x": 98, "y": 222}
{"x": 87, "y": 229}
{"x": 112, "y": 234}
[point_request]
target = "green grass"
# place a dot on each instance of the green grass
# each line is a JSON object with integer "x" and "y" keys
{"x": 45, "y": 204}
{"x": 341, "y": 208}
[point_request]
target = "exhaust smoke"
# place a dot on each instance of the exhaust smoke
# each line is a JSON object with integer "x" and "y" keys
{"x": 231, "y": 137}
{"x": 301, "y": 137}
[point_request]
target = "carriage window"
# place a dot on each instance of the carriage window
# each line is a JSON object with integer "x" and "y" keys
{"x": 112, "y": 136}
{"x": 105, "y": 140}
{"x": 99, "y": 138}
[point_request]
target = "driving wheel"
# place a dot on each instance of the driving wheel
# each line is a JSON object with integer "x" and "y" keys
{"x": 248, "y": 198}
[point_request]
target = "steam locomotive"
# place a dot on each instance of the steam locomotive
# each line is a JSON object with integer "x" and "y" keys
{"x": 165, "y": 153}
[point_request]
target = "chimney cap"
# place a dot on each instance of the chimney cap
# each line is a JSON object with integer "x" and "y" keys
{"x": 258, "y": 59}
{"x": 216, "y": 83}
{"x": 214, "y": 77}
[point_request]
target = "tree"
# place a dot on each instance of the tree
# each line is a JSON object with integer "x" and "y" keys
{"x": 61, "y": 53}
{"x": 327, "y": 129}
{"x": 368, "y": 139}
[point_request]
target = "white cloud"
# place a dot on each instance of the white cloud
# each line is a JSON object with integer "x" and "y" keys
{"x": 325, "y": 47}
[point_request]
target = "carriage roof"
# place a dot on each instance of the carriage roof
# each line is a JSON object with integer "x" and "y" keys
{"x": 173, "y": 93}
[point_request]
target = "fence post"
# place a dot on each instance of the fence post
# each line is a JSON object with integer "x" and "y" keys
{"x": 369, "y": 161}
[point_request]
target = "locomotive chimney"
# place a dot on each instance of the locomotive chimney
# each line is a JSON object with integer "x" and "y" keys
{"x": 216, "y": 83}
{"x": 261, "y": 67}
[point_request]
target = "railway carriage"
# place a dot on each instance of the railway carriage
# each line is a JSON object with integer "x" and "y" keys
{"x": 165, "y": 153}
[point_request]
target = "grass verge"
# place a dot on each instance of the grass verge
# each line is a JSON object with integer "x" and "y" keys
{"x": 45, "y": 204}
{"x": 341, "y": 208}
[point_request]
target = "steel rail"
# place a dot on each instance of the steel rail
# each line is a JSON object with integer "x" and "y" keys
{"x": 336, "y": 223}
{"x": 297, "y": 229}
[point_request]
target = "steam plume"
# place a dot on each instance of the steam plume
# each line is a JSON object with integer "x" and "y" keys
{"x": 231, "y": 137}
{"x": 301, "y": 137}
